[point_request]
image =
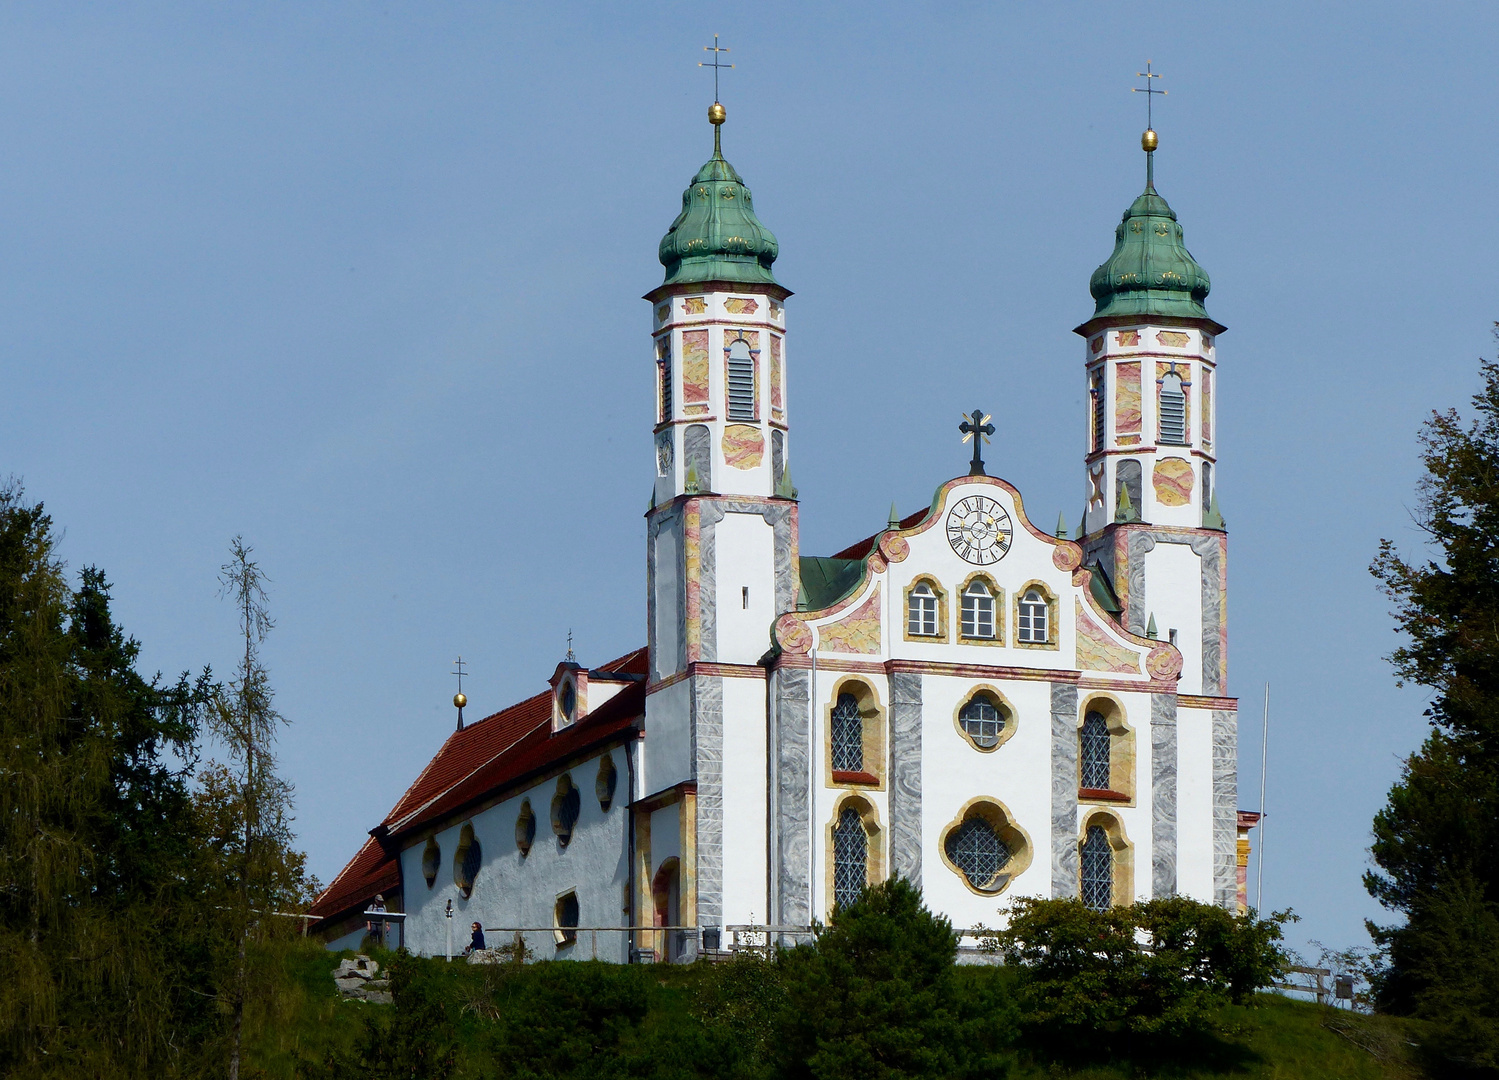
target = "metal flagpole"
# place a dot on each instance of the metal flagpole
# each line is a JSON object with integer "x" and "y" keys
{"x": 1259, "y": 873}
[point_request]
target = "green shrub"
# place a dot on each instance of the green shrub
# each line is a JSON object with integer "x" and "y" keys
{"x": 875, "y": 997}
{"x": 1159, "y": 968}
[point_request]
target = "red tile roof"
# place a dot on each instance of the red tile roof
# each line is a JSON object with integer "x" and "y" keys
{"x": 369, "y": 872}
{"x": 865, "y": 546}
{"x": 486, "y": 755}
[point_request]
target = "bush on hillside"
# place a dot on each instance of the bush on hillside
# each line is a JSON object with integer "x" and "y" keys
{"x": 1159, "y": 968}
{"x": 875, "y": 997}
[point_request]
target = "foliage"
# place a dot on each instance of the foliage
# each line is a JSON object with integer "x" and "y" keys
{"x": 97, "y": 935}
{"x": 1436, "y": 841}
{"x": 414, "y": 1039}
{"x": 1158, "y": 969}
{"x": 875, "y": 996}
{"x": 244, "y": 813}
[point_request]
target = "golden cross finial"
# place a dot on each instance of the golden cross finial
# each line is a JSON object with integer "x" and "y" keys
{"x": 715, "y": 50}
{"x": 1148, "y": 90}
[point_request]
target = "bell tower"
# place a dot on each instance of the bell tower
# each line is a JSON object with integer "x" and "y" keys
{"x": 1150, "y": 361}
{"x": 721, "y": 532}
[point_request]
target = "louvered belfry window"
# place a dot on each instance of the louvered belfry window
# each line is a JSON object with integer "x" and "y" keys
{"x": 741, "y": 381}
{"x": 1095, "y": 752}
{"x": 848, "y": 735}
{"x": 1098, "y": 869}
{"x": 850, "y": 857}
{"x": 663, "y": 364}
{"x": 1098, "y": 409}
{"x": 1173, "y": 409}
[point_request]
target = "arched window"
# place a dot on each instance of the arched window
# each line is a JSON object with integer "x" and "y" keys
{"x": 850, "y": 857}
{"x": 1032, "y": 624}
{"x": 983, "y": 720}
{"x": 985, "y": 847}
{"x": 978, "y": 611}
{"x": 565, "y": 915}
{"x": 976, "y": 849}
{"x": 565, "y": 806}
{"x": 848, "y": 735}
{"x": 1094, "y": 757}
{"x": 525, "y": 828}
{"x": 1173, "y": 409}
{"x": 1098, "y": 869}
{"x": 606, "y": 781}
{"x": 466, "y": 861}
{"x": 431, "y": 860}
{"x": 921, "y": 611}
{"x": 741, "y": 381}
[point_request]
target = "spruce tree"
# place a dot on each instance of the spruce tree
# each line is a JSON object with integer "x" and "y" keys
{"x": 1436, "y": 842}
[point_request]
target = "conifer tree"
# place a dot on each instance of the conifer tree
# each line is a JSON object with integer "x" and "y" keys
{"x": 99, "y": 910}
{"x": 1436, "y": 842}
{"x": 246, "y": 808}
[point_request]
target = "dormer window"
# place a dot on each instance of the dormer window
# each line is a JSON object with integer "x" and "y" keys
{"x": 568, "y": 703}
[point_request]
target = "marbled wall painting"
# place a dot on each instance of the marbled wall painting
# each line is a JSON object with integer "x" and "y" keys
{"x": 856, "y": 632}
{"x": 695, "y": 305}
{"x": 1096, "y": 651}
{"x": 1127, "y": 399}
{"x": 695, "y": 366}
{"x": 777, "y": 404}
{"x": 1173, "y": 339}
{"x": 1207, "y": 407}
{"x": 743, "y": 446}
{"x": 740, "y": 305}
{"x": 1125, "y": 338}
{"x": 1173, "y": 478}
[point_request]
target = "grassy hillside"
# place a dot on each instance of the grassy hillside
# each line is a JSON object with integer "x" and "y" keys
{"x": 599, "y": 1021}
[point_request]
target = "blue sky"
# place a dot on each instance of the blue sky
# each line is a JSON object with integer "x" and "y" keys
{"x": 361, "y": 282}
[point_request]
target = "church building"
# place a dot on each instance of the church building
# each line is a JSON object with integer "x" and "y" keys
{"x": 984, "y": 707}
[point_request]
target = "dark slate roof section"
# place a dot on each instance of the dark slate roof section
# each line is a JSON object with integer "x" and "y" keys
{"x": 1103, "y": 591}
{"x": 825, "y": 581}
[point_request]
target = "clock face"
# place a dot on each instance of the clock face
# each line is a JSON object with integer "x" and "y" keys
{"x": 979, "y": 530}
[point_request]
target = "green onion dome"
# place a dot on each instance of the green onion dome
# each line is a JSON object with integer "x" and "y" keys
{"x": 1151, "y": 271}
{"x": 717, "y": 237}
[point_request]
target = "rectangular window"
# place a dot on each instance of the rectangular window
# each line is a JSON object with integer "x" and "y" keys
{"x": 741, "y": 381}
{"x": 921, "y": 613}
{"x": 978, "y": 613}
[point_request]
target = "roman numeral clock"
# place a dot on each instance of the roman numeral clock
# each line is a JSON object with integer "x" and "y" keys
{"x": 979, "y": 530}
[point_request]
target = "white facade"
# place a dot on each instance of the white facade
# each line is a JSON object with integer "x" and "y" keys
{"x": 965, "y": 700}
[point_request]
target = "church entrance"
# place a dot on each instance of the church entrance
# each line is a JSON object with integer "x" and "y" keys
{"x": 666, "y": 890}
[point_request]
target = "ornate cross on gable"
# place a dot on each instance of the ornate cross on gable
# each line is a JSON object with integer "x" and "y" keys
{"x": 716, "y": 66}
{"x": 979, "y": 430}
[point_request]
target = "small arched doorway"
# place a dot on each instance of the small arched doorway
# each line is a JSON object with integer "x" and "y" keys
{"x": 666, "y": 895}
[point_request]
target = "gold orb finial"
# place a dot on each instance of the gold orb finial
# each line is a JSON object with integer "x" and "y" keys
{"x": 1149, "y": 141}
{"x": 716, "y": 114}
{"x": 460, "y": 700}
